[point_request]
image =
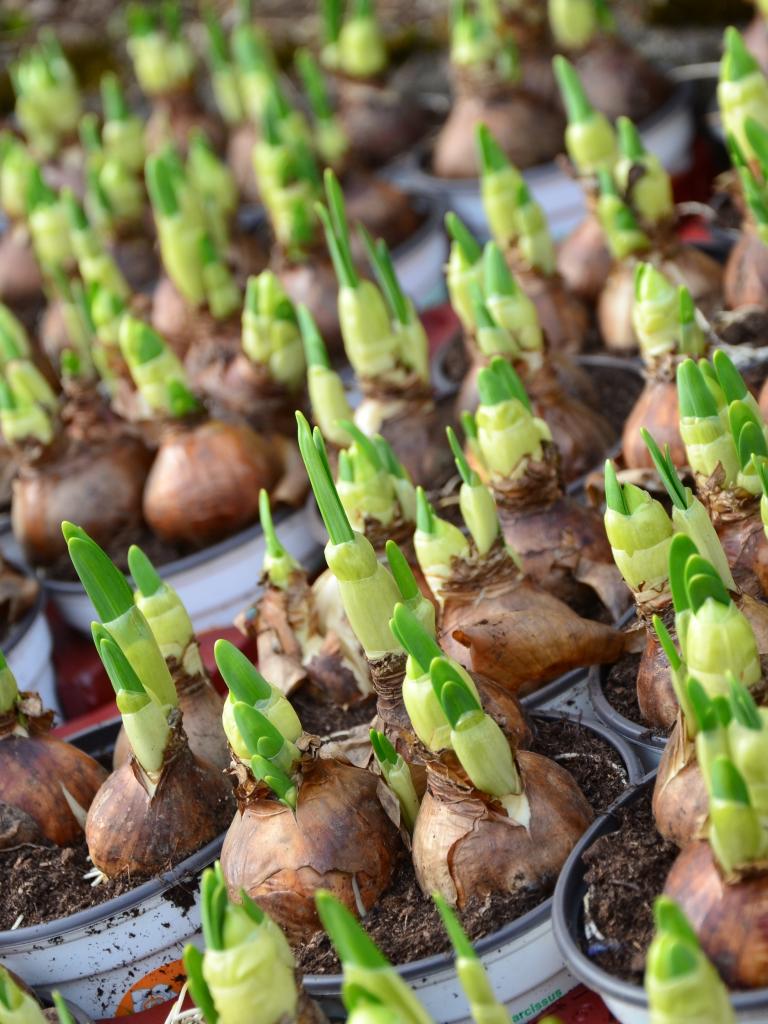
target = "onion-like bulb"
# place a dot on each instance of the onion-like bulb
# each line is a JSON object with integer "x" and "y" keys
{"x": 205, "y": 482}
{"x": 338, "y": 838}
{"x": 465, "y": 845}
{"x": 47, "y": 780}
{"x": 137, "y": 828}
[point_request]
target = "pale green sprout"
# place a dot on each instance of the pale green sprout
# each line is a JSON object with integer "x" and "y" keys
{"x": 748, "y": 431}
{"x": 16, "y": 169}
{"x": 438, "y": 544}
{"x": 641, "y": 176}
{"x": 112, "y": 598}
{"x": 48, "y": 225}
{"x": 255, "y": 65}
{"x": 96, "y": 265}
{"x": 477, "y": 43}
{"x": 47, "y": 96}
{"x": 410, "y": 593}
{"x": 262, "y": 738}
{"x": 221, "y": 290}
{"x": 663, "y": 316}
{"x": 742, "y": 90}
{"x": 420, "y": 698}
{"x": 247, "y": 970}
{"x": 270, "y": 330}
{"x": 367, "y": 484}
{"x": 22, "y": 420}
{"x": 16, "y": 1005}
{"x": 573, "y": 22}
{"x": 165, "y": 612}
{"x": 689, "y": 516}
{"x": 9, "y": 690}
{"x": 477, "y": 740}
{"x": 511, "y": 308}
{"x": 708, "y": 443}
{"x": 330, "y": 405}
{"x": 464, "y": 270}
{"x": 180, "y": 229}
{"x": 589, "y": 137}
{"x": 476, "y": 501}
{"x": 640, "y": 534}
{"x": 715, "y": 636}
{"x": 397, "y": 775}
{"x": 508, "y": 434}
{"x": 279, "y": 566}
{"x": 13, "y": 334}
{"x": 214, "y": 183}
{"x": 247, "y": 686}
{"x": 369, "y": 978}
{"x": 330, "y": 135}
{"x": 483, "y": 1004}
{"x": 368, "y": 592}
{"x": 748, "y": 745}
{"x": 362, "y": 51}
{"x": 499, "y": 183}
{"x": 535, "y": 243}
{"x": 625, "y": 237}
{"x": 122, "y": 135}
{"x": 224, "y": 75}
{"x": 156, "y": 370}
{"x": 762, "y": 470}
{"x": 163, "y": 61}
{"x": 681, "y": 984}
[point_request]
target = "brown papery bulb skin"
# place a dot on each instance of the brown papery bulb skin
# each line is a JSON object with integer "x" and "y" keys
{"x": 176, "y": 117}
{"x": 619, "y": 80}
{"x": 680, "y": 800}
{"x": 529, "y": 131}
{"x": 729, "y": 919}
{"x": 465, "y": 847}
{"x": 99, "y": 487}
{"x": 205, "y": 482}
{"x": 700, "y": 273}
{"x": 313, "y": 283}
{"x": 417, "y": 435}
{"x": 131, "y": 833}
{"x": 338, "y": 833}
{"x": 655, "y": 693}
{"x": 174, "y": 319}
{"x": 201, "y": 706}
{"x": 525, "y": 639}
{"x": 745, "y": 280}
{"x": 746, "y": 548}
{"x": 380, "y": 122}
{"x": 584, "y": 260}
{"x": 53, "y": 333}
{"x": 385, "y": 210}
{"x": 21, "y": 284}
{"x": 32, "y": 771}
{"x": 240, "y": 145}
{"x": 564, "y": 317}
{"x": 657, "y": 410}
{"x": 503, "y": 705}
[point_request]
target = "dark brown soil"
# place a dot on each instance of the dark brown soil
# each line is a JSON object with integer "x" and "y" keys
{"x": 42, "y": 883}
{"x": 323, "y": 717}
{"x": 615, "y": 398}
{"x": 626, "y": 870}
{"x": 404, "y": 923}
{"x": 159, "y": 552}
{"x": 620, "y": 690}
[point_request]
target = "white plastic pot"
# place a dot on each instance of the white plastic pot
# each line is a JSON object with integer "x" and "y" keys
{"x": 647, "y": 744}
{"x": 668, "y": 133}
{"x": 123, "y": 956}
{"x": 420, "y": 259}
{"x": 214, "y": 584}
{"x": 626, "y": 1002}
{"x": 28, "y": 650}
{"x": 526, "y": 968}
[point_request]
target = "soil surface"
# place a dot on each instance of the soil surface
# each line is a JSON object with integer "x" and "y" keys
{"x": 323, "y": 717}
{"x": 405, "y": 924}
{"x": 626, "y": 871}
{"x": 42, "y": 883}
{"x": 620, "y": 691}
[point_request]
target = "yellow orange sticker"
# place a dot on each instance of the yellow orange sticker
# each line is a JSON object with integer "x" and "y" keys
{"x": 155, "y": 988}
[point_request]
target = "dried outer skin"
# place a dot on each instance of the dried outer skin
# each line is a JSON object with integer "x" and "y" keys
{"x": 32, "y": 770}
{"x": 179, "y": 323}
{"x": 564, "y": 317}
{"x": 52, "y": 331}
{"x": 727, "y": 915}
{"x": 308, "y": 1011}
{"x": 736, "y": 516}
{"x": 619, "y": 80}
{"x": 655, "y": 693}
{"x": 656, "y": 409}
{"x": 313, "y": 283}
{"x": 380, "y": 122}
{"x": 745, "y": 279}
{"x": 205, "y": 481}
{"x": 584, "y": 260}
{"x": 562, "y": 544}
{"x": 201, "y": 707}
{"x": 680, "y": 801}
{"x": 385, "y": 210}
{"x": 240, "y": 143}
{"x": 529, "y": 131}
{"x": 338, "y": 833}
{"x": 98, "y": 486}
{"x": 682, "y": 264}
{"x": 129, "y": 832}
{"x": 465, "y": 846}
{"x": 21, "y": 284}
